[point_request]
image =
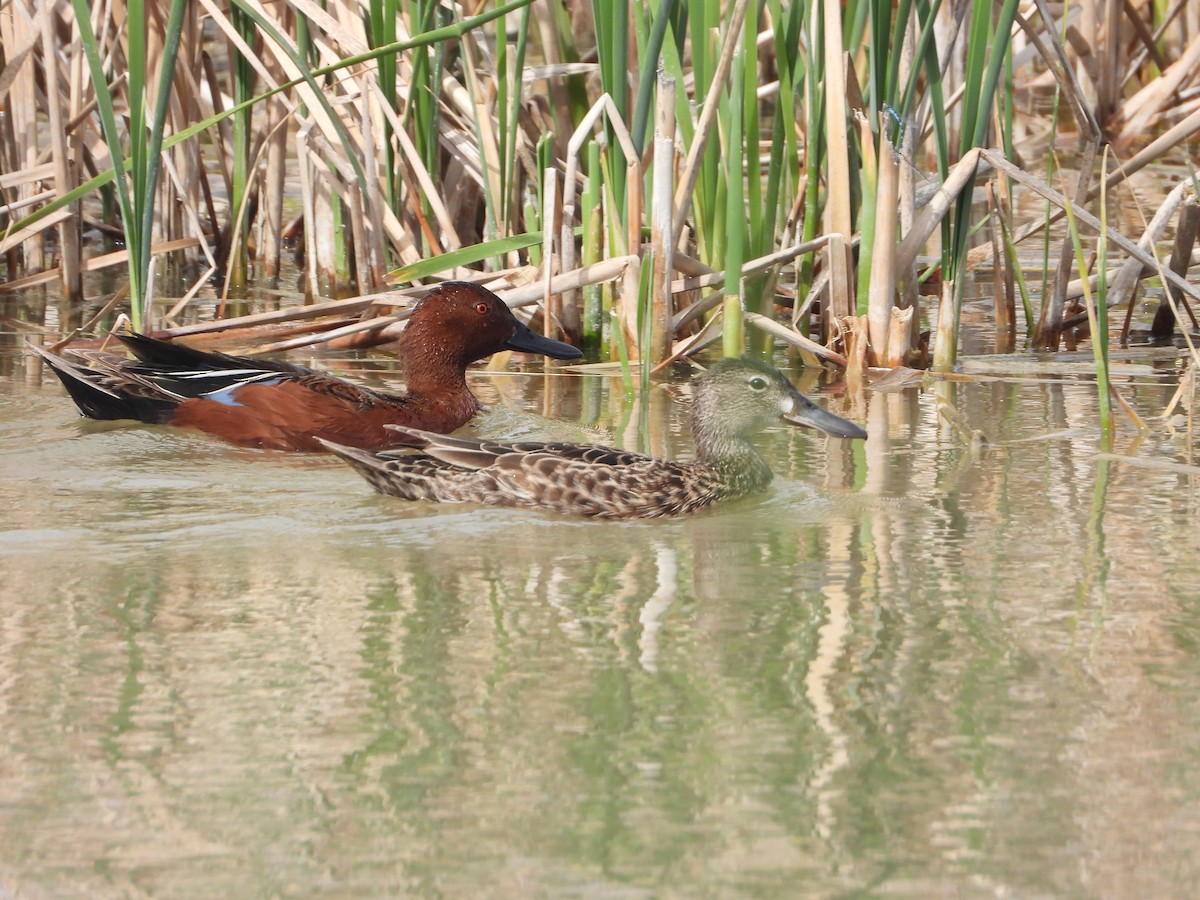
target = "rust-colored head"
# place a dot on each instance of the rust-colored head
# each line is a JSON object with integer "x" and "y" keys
{"x": 459, "y": 323}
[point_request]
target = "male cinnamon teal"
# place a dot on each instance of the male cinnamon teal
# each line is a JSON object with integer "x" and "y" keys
{"x": 734, "y": 400}
{"x": 281, "y": 406}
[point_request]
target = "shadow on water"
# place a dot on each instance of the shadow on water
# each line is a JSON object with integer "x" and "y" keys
{"x": 919, "y": 665}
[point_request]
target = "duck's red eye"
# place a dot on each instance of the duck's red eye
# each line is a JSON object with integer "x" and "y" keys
{"x": 482, "y": 308}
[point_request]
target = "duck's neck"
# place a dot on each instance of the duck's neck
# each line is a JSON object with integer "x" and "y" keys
{"x": 740, "y": 466}
{"x": 431, "y": 368}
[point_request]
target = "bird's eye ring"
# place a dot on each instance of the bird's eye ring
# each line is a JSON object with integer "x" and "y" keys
{"x": 482, "y": 308}
{"x": 758, "y": 383}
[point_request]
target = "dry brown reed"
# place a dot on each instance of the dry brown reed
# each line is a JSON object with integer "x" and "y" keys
{"x": 445, "y": 159}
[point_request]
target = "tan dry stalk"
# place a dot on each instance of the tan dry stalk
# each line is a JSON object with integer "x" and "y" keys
{"x": 1153, "y": 152}
{"x": 189, "y": 211}
{"x": 838, "y": 213}
{"x": 1145, "y": 106}
{"x": 26, "y": 176}
{"x": 35, "y": 200}
{"x": 308, "y": 201}
{"x": 662, "y": 229}
{"x": 793, "y": 337}
{"x": 551, "y": 302}
{"x": 627, "y": 308}
{"x": 906, "y": 195}
{"x": 69, "y": 232}
{"x": 417, "y": 177}
{"x": 1108, "y": 86}
{"x": 352, "y": 204}
{"x": 369, "y": 255}
{"x": 881, "y": 295}
{"x": 21, "y": 132}
{"x": 627, "y": 304}
{"x": 542, "y": 15}
{"x": 489, "y": 142}
{"x": 581, "y": 135}
{"x": 19, "y": 238}
{"x": 1003, "y": 290}
{"x": 331, "y": 308}
{"x": 899, "y": 341}
{"x": 323, "y": 221}
{"x": 1049, "y": 327}
{"x": 320, "y": 18}
{"x": 316, "y": 110}
{"x": 274, "y": 186}
{"x": 936, "y": 209}
{"x": 16, "y": 54}
{"x": 855, "y": 339}
{"x": 1181, "y": 258}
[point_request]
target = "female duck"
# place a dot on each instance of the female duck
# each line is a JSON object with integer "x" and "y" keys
{"x": 734, "y": 400}
{"x": 281, "y": 406}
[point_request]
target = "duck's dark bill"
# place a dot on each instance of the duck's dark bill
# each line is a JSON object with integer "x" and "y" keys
{"x": 529, "y": 341}
{"x": 805, "y": 412}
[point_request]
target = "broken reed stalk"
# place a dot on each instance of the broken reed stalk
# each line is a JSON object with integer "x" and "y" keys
{"x": 1186, "y": 233}
{"x": 881, "y": 289}
{"x": 1134, "y": 251}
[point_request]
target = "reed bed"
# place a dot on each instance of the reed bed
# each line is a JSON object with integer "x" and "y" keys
{"x": 653, "y": 177}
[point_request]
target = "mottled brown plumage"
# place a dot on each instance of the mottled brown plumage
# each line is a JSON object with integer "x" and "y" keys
{"x": 735, "y": 399}
{"x": 278, "y": 405}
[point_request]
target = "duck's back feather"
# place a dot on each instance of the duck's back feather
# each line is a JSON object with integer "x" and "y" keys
{"x": 575, "y": 479}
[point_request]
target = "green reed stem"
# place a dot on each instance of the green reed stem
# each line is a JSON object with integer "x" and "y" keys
{"x": 645, "y": 322}
{"x": 423, "y": 107}
{"x": 1098, "y": 311}
{"x": 136, "y": 195}
{"x": 612, "y": 51}
{"x": 508, "y": 106}
{"x": 618, "y": 334}
{"x": 1097, "y": 319}
{"x": 593, "y": 248}
{"x": 381, "y": 31}
{"x": 987, "y": 48}
{"x": 648, "y": 65}
{"x": 243, "y": 89}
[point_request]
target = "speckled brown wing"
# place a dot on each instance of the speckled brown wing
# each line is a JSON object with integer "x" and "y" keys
{"x": 591, "y": 481}
{"x": 476, "y": 454}
{"x": 576, "y": 479}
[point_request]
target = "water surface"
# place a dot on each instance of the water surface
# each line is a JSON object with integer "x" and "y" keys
{"x": 919, "y": 666}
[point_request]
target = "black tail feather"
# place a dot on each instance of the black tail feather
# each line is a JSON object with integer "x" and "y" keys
{"x": 168, "y": 353}
{"x": 97, "y": 400}
{"x": 172, "y": 355}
